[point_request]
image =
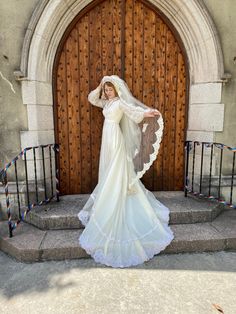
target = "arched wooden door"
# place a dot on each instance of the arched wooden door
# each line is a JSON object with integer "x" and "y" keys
{"x": 130, "y": 39}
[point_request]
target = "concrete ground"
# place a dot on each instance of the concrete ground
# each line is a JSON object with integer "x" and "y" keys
{"x": 176, "y": 283}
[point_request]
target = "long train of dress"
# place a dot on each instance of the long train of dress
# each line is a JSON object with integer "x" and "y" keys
{"x": 122, "y": 227}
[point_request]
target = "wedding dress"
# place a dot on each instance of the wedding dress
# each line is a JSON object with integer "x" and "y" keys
{"x": 124, "y": 225}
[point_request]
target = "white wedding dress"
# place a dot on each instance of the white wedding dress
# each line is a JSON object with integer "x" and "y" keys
{"x": 123, "y": 227}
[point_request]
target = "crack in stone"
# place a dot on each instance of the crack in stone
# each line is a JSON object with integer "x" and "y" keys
{"x": 40, "y": 245}
{"x": 5, "y": 79}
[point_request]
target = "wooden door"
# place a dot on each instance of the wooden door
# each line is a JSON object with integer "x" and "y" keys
{"x": 130, "y": 39}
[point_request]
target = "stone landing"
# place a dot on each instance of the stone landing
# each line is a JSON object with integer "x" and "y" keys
{"x": 53, "y": 230}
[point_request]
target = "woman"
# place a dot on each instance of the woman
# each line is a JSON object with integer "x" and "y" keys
{"x": 124, "y": 223}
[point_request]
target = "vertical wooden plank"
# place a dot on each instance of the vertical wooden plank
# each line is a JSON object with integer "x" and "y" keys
{"x": 117, "y": 37}
{"x": 83, "y": 33}
{"x": 73, "y": 114}
{"x": 149, "y": 76}
{"x": 107, "y": 45}
{"x": 160, "y": 96}
{"x": 138, "y": 51}
{"x": 96, "y": 119}
{"x": 166, "y": 137}
{"x": 129, "y": 43}
{"x": 62, "y": 123}
{"x": 170, "y": 105}
{"x": 180, "y": 124}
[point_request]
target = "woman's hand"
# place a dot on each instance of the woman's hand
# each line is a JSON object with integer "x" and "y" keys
{"x": 101, "y": 94}
{"x": 151, "y": 113}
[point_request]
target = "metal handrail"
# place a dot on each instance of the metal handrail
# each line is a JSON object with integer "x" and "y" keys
{"x": 4, "y": 178}
{"x": 189, "y": 188}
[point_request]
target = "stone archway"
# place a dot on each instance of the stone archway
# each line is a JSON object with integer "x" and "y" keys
{"x": 195, "y": 28}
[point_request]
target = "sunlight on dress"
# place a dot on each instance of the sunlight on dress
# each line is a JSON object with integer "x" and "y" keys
{"x": 123, "y": 226}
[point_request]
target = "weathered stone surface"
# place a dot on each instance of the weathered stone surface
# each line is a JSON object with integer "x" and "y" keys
{"x": 199, "y": 117}
{"x": 188, "y": 209}
{"x": 206, "y": 93}
{"x": 226, "y": 225}
{"x": 59, "y": 215}
{"x": 62, "y": 244}
{"x": 25, "y": 244}
{"x": 198, "y": 237}
{"x": 31, "y": 244}
{"x": 63, "y": 214}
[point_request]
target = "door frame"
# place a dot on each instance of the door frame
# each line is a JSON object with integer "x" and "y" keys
{"x": 193, "y": 26}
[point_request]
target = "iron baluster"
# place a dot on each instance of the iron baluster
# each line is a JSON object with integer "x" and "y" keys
{"x": 35, "y": 177}
{"x": 50, "y": 157}
{"x": 209, "y": 192}
{"x": 56, "y": 150}
{"x": 26, "y": 178}
{"x": 194, "y": 148}
{"x": 200, "y": 188}
{"x": 44, "y": 175}
{"x": 186, "y": 170}
{"x": 17, "y": 190}
{"x": 232, "y": 179}
{"x": 221, "y": 158}
{"x": 5, "y": 183}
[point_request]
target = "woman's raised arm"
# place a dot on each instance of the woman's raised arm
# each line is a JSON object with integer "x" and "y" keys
{"x": 94, "y": 97}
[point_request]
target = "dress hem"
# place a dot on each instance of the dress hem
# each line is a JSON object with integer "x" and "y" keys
{"x": 99, "y": 257}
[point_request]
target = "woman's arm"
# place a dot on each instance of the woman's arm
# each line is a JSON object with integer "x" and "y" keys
{"x": 137, "y": 114}
{"x": 151, "y": 113}
{"x": 94, "y": 97}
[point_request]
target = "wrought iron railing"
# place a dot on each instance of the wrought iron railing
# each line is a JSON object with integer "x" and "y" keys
{"x": 204, "y": 177}
{"x": 49, "y": 190}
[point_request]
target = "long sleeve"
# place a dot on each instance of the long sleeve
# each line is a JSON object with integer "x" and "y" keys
{"x": 93, "y": 98}
{"x": 135, "y": 113}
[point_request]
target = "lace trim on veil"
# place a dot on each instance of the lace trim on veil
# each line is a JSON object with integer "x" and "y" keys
{"x": 153, "y": 156}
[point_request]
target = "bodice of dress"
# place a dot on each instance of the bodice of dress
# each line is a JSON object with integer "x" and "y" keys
{"x": 113, "y": 109}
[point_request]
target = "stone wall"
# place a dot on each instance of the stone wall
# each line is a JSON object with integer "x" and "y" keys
{"x": 14, "y": 19}
{"x": 223, "y": 14}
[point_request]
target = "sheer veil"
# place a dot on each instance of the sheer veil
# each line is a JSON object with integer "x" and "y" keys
{"x": 142, "y": 140}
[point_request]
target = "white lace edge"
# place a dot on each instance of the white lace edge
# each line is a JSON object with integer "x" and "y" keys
{"x": 84, "y": 217}
{"x": 134, "y": 260}
{"x": 156, "y": 147}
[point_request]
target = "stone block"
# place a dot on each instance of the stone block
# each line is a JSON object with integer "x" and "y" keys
{"x": 206, "y": 117}
{"x": 37, "y": 66}
{"x": 35, "y": 92}
{"x": 200, "y": 136}
{"x": 40, "y": 117}
{"x": 25, "y": 244}
{"x": 35, "y": 138}
{"x": 206, "y": 93}
{"x": 195, "y": 238}
{"x": 59, "y": 215}
{"x": 62, "y": 244}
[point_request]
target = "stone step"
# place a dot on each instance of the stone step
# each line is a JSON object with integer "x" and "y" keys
{"x": 31, "y": 244}
{"x": 63, "y": 214}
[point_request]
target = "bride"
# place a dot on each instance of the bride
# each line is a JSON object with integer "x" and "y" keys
{"x": 124, "y": 223}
